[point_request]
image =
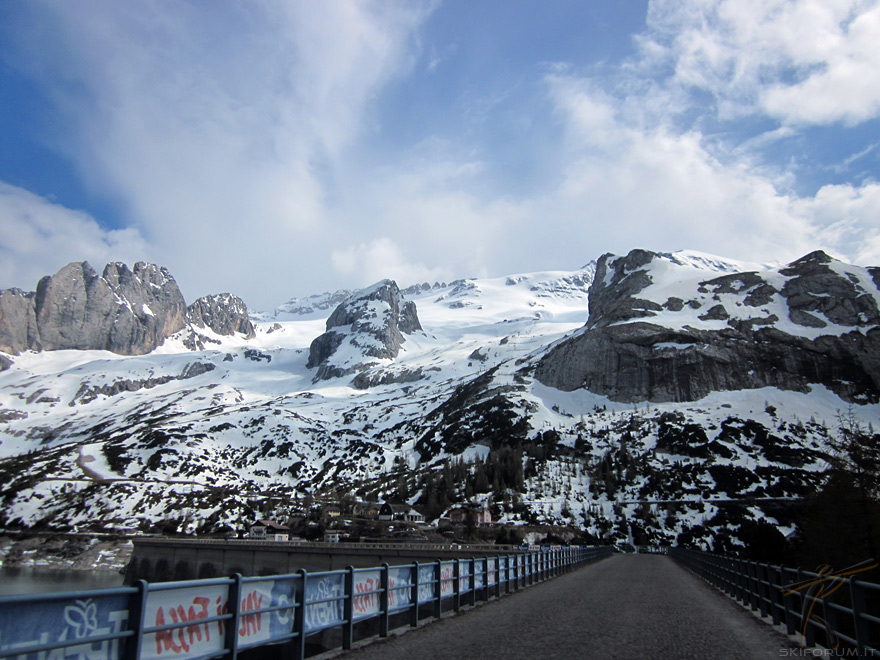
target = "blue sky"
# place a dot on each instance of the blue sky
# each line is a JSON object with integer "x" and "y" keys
{"x": 278, "y": 149}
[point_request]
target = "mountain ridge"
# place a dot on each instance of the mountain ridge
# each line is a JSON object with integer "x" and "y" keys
{"x": 183, "y": 434}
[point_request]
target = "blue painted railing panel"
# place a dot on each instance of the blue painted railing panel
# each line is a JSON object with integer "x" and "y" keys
{"x": 77, "y": 618}
{"x": 202, "y": 619}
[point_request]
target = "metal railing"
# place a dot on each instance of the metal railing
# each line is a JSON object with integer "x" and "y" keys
{"x": 200, "y": 619}
{"x": 815, "y": 606}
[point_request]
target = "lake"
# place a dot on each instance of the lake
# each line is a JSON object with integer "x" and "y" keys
{"x": 47, "y": 580}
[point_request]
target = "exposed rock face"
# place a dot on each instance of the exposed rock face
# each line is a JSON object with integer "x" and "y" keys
{"x": 816, "y": 290}
{"x": 813, "y": 322}
{"x": 315, "y": 303}
{"x": 129, "y": 312}
{"x": 617, "y": 282}
{"x": 88, "y": 393}
{"x": 370, "y": 322}
{"x": 376, "y": 377}
{"x": 223, "y": 313}
{"x": 18, "y": 322}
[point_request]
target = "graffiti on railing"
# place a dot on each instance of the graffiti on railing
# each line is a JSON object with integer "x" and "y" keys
{"x": 816, "y": 589}
{"x": 324, "y": 607}
{"x": 24, "y": 625}
{"x": 192, "y": 605}
{"x": 196, "y": 618}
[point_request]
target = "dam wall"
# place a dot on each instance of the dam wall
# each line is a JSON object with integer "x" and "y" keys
{"x": 158, "y": 559}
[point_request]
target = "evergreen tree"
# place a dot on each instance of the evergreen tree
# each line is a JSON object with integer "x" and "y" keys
{"x": 840, "y": 526}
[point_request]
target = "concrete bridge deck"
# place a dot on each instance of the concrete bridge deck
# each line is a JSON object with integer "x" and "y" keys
{"x": 626, "y": 607}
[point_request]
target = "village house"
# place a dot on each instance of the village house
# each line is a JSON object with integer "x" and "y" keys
{"x": 401, "y": 512}
{"x": 269, "y": 530}
{"x": 366, "y": 509}
{"x": 476, "y": 512}
{"x": 386, "y": 512}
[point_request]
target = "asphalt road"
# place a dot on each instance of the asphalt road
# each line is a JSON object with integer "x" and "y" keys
{"x": 625, "y": 607}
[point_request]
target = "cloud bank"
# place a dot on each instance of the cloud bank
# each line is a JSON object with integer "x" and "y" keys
{"x": 248, "y": 147}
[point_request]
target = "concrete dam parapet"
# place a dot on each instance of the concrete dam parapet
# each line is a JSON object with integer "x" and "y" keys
{"x": 166, "y": 559}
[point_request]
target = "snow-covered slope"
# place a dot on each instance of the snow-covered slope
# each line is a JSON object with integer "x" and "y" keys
{"x": 671, "y": 328}
{"x": 93, "y": 439}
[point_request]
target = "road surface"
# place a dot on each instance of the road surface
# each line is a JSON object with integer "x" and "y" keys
{"x": 625, "y": 607}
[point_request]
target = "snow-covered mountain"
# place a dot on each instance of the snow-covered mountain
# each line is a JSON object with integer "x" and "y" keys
{"x": 647, "y": 404}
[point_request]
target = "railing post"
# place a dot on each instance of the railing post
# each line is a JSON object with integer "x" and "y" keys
{"x": 753, "y": 605}
{"x": 497, "y": 576}
{"x": 414, "y": 611}
{"x": 863, "y": 629}
{"x": 484, "y": 595}
{"x": 732, "y": 579}
{"x": 806, "y": 629}
{"x": 763, "y": 572}
{"x": 456, "y": 586}
{"x": 137, "y": 612}
{"x": 472, "y": 582}
{"x": 348, "y": 609}
{"x": 831, "y": 640}
{"x": 299, "y": 617}
{"x": 739, "y": 576}
{"x": 787, "y": 603}
{"x": 438, "y": 588}
{"x": 775, "y": 593}
{"x": 384, "y": 599}
{"x": 233, "y": 601}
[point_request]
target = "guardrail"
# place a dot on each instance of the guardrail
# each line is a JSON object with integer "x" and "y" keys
{"x": 222, "y": 617}
{"x": 811, "y": 604}
{"x": 319, "y": 545}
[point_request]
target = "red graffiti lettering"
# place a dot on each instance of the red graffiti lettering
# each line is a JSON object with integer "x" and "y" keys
{"x": 367, "y": 601}
{"x": 194, "y": 614}
{"x": 180, "y": 640}
{"x": 222, "y": 608}
{"x": 251, "y": 623}
{"x": 165, "y": 638}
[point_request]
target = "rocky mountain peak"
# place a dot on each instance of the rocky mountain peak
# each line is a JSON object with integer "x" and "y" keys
{"x": 671, "y": 328}
{"x": 821, "y": 292}
{"x": 371, "y": 324}
{"x": 125, "y": 310}
{"x": 223, "y": 313}
{"x": 618, "y": 280}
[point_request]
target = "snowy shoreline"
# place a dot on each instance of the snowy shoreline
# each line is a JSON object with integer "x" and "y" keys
{"x": 78, "y": 553}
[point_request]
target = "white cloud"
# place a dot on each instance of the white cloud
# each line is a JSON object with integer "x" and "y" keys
{"x": 379, "y": 259}
{"x": 38, "y": 237}
{"x": 433, "y": 207}
{"x": 634, "y": 186}
{"x": 848, "y": 217}
{"x": 221, "y": 131}
{"x": 247, "y": 167}
{"x": 803, "y": 61}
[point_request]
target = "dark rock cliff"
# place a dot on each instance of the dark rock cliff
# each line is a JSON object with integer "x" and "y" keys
{"x": 126, "y": 311}
{"x": 372, "y": 321}
{"x": 123, "y": 310}
{"x": 223, "y": 313}
{"x": 623, "y": 354}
